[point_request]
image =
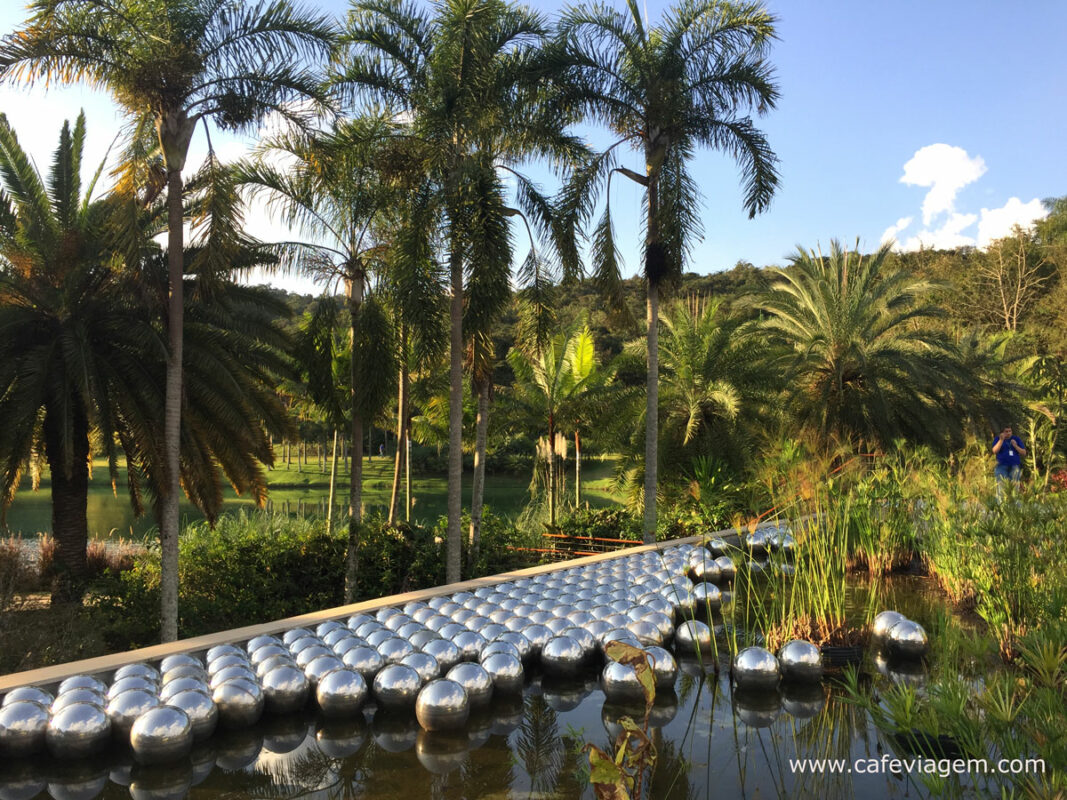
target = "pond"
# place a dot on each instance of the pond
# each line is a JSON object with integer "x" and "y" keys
{"x": 712, "y": 741}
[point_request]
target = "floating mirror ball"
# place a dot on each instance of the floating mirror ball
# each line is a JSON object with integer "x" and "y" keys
{"x": 442, "y": 705}
{"x": 424, "y": 664}
{"x": 341, "y": 693}
{"x": 692, "y": 636}
{"x": 285, "y": 689}
{"x": 755, "y": 668}
{"x": 475, "y": 680}
{"x": 201, "y": 710}
{"x": 562, "y": 656}
{"x": 82, "y": 682}
{"x": 505, "y": 671}
{"x": 365, "y": 660}
{"x": 800, "y": 661}
{"x": 908, "y": 639}
{"x": 161, "y": 735}
{"x": 620, "y": 682}
{"x": 23, "y": 724}
{"x": 240, "y": 704}
{"x": 882, "y": 623}
{"x": 77, "y": 731}
{"x": 124, "y": 709}
{"x": 396, "y": 686}
{"x": 664, "y": 667}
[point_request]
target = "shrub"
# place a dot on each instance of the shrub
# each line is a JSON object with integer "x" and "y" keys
{"x": 602, "y": 523}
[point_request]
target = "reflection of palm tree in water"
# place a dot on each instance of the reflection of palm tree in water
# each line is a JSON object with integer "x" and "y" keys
{"x": 549, "y": 759}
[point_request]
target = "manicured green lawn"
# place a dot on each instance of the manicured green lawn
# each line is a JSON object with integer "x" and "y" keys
{"x": 303, "y": 490}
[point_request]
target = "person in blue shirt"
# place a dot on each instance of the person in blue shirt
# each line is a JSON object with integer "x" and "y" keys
{"x": 1009, "y": 451}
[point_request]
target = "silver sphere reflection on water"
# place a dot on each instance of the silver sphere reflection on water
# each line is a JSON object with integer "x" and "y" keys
{"x": 23, "y": 724}
{"x": 77, "y": 731}
{"x": 756, "y": 708}
{"x": 161, "y": 735}
{"x": 908, "y": 639}
{"x": 365, "y": 660}
{"x": 664, "y": 667}
{"x": 342, "y": 693}
{"x": 620, "y": 682}
{"x": 442, "y": 705}
{"x": 562, "y": 656}
{"x": 755, "y": 668}
{"x": 201, "y": 710}
{"x": 285, "y": 689}
{"x": 475, "y": 680}
{"x": 239, "y": 705}
{"x": 505, "y": 671}
{"x": 800, "y": 661}
{"x": 446, "y": 653}
{"x": 803, "y": 701}
{"x": 692, "y": 636}
{"x": 881, "y": 624}
{"x": 124, "y": 709}
{"x": 396, "y": 686}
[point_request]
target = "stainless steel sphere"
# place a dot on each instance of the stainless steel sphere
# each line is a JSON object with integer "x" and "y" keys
{"x": 586, "y": 641}
{"x": 124, "y": 709}
{"x": 421, "y": 638}
{"x": 338, "y": 635}
{"x": 31, "y": 693}
{"x": 520, "y": 641}
{"x": 800, "y": 661}
{"x": 702, "y": 567}
{"x": 881, "y": 624}
{"x": 708, "y": 598}
{"x": 261, "y": 641}
{"x": 183, "y": 671}
{"x": 225, "y": 660}
{"x": 161, "y": 735}
{"x": 562, "y": 656}
{"x": 321, "y": 667}
{"x": 718, "y": 546}
{"x": 342, "y": 693}
{"x": 505, "y": 670}
{"x": 620, "y": 683}
{"x": 267, "y": 652}
{"x": 908, "y": 639}
{"x": 393, "y": 650}
{"x": 442, "y": 705}
{"x": 475, "y": 680}
{"x": 645, "y": 632}
{"x": 230, "y": 674}
{"x": 499, "y": 647}
{"x": 285, "y": 689}
{"x": 82, "y": 682}
{"x": 342, "y": 646}
{"x": 324, "y": 628}
{"x": 182, "y": 685}
{"x": 375, "y": 638}
{"x": 137, "y": 671}
{"x": 201, "y": 710}
{"x": 727, "y": 568}
{"x": 294, "y": 634}
{"x": 538, "y": 636}
{"x": 664, "y": 667}
{"x": 179, "y": 660}
{"x": 23, "y": 724}
{"x": 239, "y": 705}
{"x": 470, "y": 645}
{"x": 309, "y": 654}
{"x": 72, "y": 696}
{"x": 755, "y": 668}
{"x": 125, "y": 684}
{"x": 758, "y": 542}
{"x": 396, "y": 686}
{"x": 424, "y": 664}
{"x": 445, "y": 652}
{"x": 221, "y": 650}
{"x": 365, "y": 660}
{"x": 692, "y": 636}
{"x": 77, "y": 731}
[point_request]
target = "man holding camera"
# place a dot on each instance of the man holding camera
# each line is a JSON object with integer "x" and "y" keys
{"x": 1009, "y": 451}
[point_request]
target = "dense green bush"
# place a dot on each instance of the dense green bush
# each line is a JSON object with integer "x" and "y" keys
{"x": 602, "y": 523}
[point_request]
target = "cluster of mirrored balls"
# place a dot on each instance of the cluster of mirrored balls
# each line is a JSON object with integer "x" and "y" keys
{"x": 438, "y": 658}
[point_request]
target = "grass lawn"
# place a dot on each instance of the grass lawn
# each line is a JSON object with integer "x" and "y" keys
{"x": 110, "y": 515}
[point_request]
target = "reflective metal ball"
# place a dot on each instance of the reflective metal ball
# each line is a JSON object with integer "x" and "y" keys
{"x": 645, "y": 632}
{"x": 393, "y": 650}
{"x": 162, "y": 734}
{"x": 562, "y": 656}
{"x": 22, "y": 728}
{"x": 239, "y": 705}
{"x": 397, "y": 686}
{"x": 881, "y": 624}
{"x": 183, "y": 671}
{"x": 221, "y": 650}
{"x": 475, "y": 680}
{"x": 261, "y": 641}
{"x": 180, "y": 660}
{"x": 755, "y": 668}
{"x": 124, "y": 709}
{"x": 445, "y": 652}
{"x": 800, "y": 661}
{"x": 424, "y": 664}
{"x": 82, "y": 682}
{"x": 908, "y": 639}
{"x": 294, "y": 634}
{"x": 505, "y": 670}
{"x": 442, "y": 705}
{"x": 342, "y": 693}
{"x": 364, "y": 660}
{"x": 321, "y": 667}
{"x": 499, "y": 647}
{"x": 125, "y": 684}
{"x": 664, "y": 667}
{"x": 231, "y": 673}
{"x": 137, "y": 671}
{"x": 285, "y": 689}
{"x": 727, "y": 568}
{"x": 267, "y": 652}
{"x": 708, "y": 598}
{"x": 309, "y": 654}
{"x": 72, "y": 696}
{"x": 538, "y": 636}
{"x": 183, "y": 685}
{"x": 620, "y": 682}
{"x": 201, "y": 710}
{"x": 226, "y": 660}
{"x": 692, "y": 636}
{"x": 470, "y": 645}
{"x": 520, "y": 641}
{"x": 77, "y": 731}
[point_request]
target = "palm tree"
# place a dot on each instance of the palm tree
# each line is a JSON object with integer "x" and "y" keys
{"x": 550, "y": 383}
{"x": 863, "y": 364}
{"x": 468, "y": 78}
{"x": 84, "y": 355}
{"x": 665, "y": 91}
{"x": 337, "y": 193}
{"x": 177, "y": 63}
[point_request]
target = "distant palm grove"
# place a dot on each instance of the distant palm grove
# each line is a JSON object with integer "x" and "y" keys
{"x": 465, "y": 307}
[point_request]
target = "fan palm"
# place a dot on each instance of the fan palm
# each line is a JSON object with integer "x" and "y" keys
{"x": 863, "y": 364}
{"x": 177, "y": 63}
{"x": 666, "y": 91}
{"x": 467, "y": 76}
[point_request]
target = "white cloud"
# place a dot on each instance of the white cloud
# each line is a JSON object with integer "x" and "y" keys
{"x": 891, "y": 232}
{"x": 998, "y": 222}
{"x": 947, "y": 237}
{"x": 945, "y": 170}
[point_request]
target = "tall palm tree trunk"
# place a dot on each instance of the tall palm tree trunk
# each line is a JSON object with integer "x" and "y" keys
{"x": 455, "y": 419}
{"x": 552, "y": 470}
{"x": 172, "y": 412}
{"x": 478, "y": 488}
{"x": 653, "y": 256}
{"x": 401, "y": 425}
{"x": 333, "y": 486}
{"x": 70, "y": 496}
{"x": 577, "y": 470}
{"x": 355, "y": 485}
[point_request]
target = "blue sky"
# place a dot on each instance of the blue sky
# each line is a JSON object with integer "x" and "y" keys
{"x": 965, "y": 99}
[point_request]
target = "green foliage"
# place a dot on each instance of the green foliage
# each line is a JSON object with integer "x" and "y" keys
{"x": 601, "y": 523}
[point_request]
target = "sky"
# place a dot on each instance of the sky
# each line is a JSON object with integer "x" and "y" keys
{"x": 934, "y": 124}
